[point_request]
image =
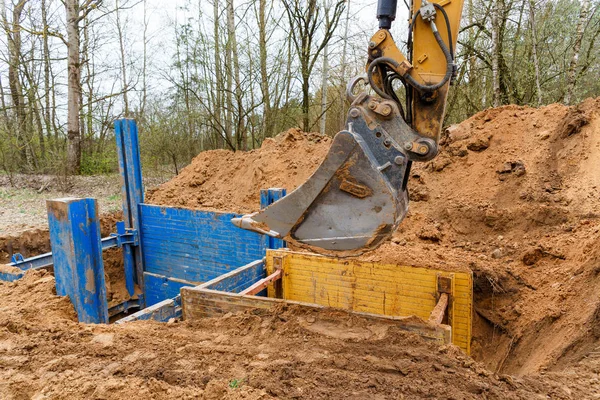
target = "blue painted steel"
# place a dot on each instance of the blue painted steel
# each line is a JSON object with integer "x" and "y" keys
{"x": 160, "y": 287}
{"x": 268, "y": 197}
{"x": 10, "y": 277}
{"x": 194, "y": 245}
{"x": 77, "y": 252}
{"x": 132, "y": 191}
{"x": 125, "y": 307}
{"x": 45, "y": 260}
{"x": 238, "y": 279}
{"x": 16, "y": 258}
{"x": 125, "y": 235}
{"x": 41, "y": 261}
{"x": 162, "y": 312}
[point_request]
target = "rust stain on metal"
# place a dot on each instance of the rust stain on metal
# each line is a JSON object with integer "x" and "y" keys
{"x": 349, "y": 184}
{"x": 90, "y": 284}
{"x": 355, "y": 189}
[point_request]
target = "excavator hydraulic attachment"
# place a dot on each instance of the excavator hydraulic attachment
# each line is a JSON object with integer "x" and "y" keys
{"x": 357, "y": 197}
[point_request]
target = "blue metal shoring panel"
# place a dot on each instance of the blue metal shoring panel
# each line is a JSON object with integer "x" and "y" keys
{"x": 268, "y": 197}
{"x": 77, "y": 253}
{"x": 132, "y": 192}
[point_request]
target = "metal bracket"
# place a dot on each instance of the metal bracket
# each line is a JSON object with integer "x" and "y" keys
{"x": 124, "y": 235}
{"x": 17, "y": 258}
{"x": 427, "y": 11}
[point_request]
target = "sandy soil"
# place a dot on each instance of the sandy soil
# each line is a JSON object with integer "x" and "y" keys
{"x": 513, "y": 197}
{"x": 287, "y": 353}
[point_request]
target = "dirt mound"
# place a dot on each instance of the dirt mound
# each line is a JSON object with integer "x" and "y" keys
{"x": 513, "y": 196}
{"x": 285, "y": 353}
{"x": 226, "y": 181}
{"x": 34, "y": 242}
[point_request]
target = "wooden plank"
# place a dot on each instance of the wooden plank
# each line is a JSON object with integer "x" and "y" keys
{"x": 262, "y": 284}
{"x": 201, "y": 303}
{"x": 438, "y": 313}
{"x": 378, "y": 288}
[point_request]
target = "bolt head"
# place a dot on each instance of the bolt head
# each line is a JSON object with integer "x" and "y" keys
{"x": 354, "y": 113}
{"x": 372, "y": 45}
{"x": 423, "y": 149}
{"x": 381, "y": 35}
{"x": 399, "y": 160}
{"x": 386, "y": 110}
{"x": 408, "y": 146}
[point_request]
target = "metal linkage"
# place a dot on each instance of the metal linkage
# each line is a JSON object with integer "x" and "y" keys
{"x": 130, "y": 237}
{"x": 125, "y": 235}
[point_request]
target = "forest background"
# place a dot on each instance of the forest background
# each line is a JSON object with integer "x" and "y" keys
{"x": 200, "y": 75}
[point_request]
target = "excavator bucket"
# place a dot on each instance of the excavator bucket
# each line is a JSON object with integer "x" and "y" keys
{"x": 352, "y": 203}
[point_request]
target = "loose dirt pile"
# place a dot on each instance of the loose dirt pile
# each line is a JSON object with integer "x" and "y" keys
{"x": 226, "y": 181}
{"x": 287, "y": 353}
{"x": 37, "y": 241}
{"x": 512, "y": 196}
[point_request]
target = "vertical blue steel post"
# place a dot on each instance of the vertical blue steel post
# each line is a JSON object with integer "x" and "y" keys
{"x": 268, "y": 197}
{"x": 77, "y": 252}
{"x": 132, "y": 192}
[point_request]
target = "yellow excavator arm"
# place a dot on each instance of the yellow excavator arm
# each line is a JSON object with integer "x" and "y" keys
{"x": 358, "y": 196}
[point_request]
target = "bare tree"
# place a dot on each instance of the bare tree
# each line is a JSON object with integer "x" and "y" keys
{"x": 306, "y": 18}
{"x": 75, "y": 14}
{"x": 571, "y": 72}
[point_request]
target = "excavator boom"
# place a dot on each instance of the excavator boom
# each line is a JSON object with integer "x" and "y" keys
{"x": 358, "y": 196}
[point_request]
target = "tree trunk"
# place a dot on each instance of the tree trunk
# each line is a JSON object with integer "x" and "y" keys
{"x": 264, "y": 77}
{"x": 125, "y": 87}
{"x": 241, "y": 138}
{"x": 536, "y": 62}
{"x": 571, "y": 72}
{"x": 219, "y": 80}
{"x": 343, "y": 72}
{"x": 46, "y": 55}
{"x": 13, "y": 36}
{"x": 496, "y": 54}
{"x": 74, "y": 88}
{"x": 325, "y": 77}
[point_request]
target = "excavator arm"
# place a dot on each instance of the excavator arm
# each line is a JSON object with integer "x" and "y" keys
{"x": 358, "y": 196}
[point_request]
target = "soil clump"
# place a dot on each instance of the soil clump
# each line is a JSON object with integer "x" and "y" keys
{"x": 222, "y": 180}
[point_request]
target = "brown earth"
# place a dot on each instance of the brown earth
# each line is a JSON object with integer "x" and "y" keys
{"x": 226, "y": 181}
{"x": 37, "y": 241}
{"x": 286, "y": 353}
{"x": 513, "y": 196}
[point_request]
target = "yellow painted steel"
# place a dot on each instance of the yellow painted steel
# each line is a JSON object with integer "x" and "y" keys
{"x": 383, "y": 289}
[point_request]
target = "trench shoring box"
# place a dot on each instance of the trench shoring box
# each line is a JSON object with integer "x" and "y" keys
{"x": 402, "y": 295}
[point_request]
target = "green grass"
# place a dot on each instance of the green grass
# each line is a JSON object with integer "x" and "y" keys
{"x": 236, "y": 383}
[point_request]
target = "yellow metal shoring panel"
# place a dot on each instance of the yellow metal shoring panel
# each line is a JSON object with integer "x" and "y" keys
{"x": 383, "y": 289}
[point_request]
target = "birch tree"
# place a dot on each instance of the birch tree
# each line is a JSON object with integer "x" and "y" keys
{"x": 306, "y": 17}
{"x": 572, "y": 71}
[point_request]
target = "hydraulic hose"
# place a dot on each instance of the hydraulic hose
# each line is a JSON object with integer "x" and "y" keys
{"x": 449, "y": 66}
